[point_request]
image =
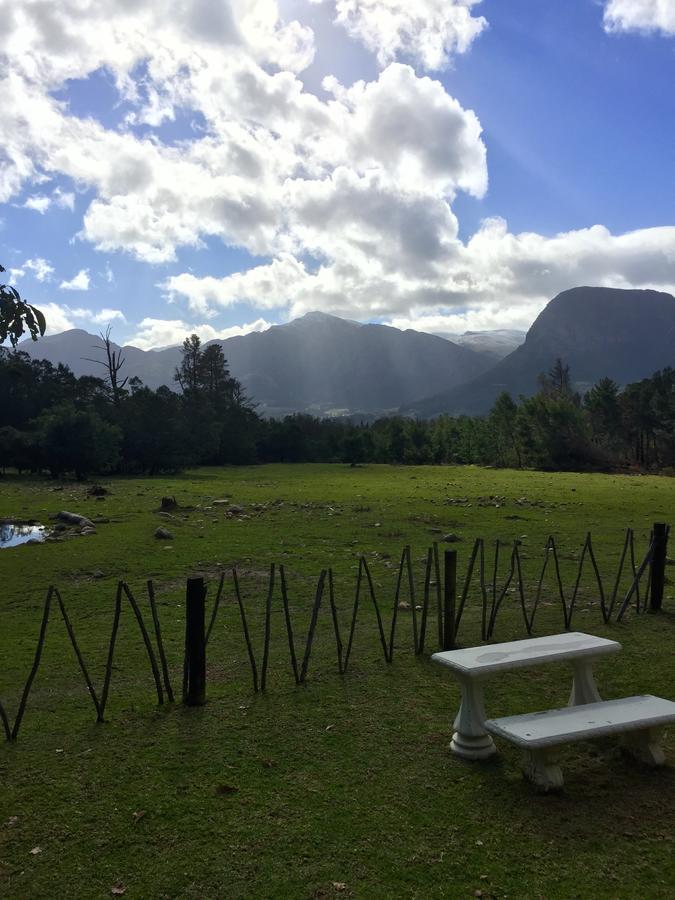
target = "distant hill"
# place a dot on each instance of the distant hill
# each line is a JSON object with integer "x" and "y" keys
{"x": 624, "y": 334}
{"x": 318, "y": 363}
{"x": 497, "y": 344}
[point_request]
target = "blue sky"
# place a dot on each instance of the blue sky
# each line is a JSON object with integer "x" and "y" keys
{"x": 201, "y": 173}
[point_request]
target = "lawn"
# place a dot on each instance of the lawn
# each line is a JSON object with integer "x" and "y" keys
{"x": 343, "y": 786}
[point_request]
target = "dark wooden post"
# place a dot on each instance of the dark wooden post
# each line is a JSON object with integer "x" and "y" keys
{"x": 449, "y": 599}
{"x": 195, "y": 643}
{"x": 658, "y": 566}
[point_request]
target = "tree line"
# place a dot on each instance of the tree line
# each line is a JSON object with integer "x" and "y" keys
{"x": 51, "y": 420}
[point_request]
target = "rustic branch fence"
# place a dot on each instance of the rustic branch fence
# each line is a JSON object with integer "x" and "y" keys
{"x": 442, "y": 594}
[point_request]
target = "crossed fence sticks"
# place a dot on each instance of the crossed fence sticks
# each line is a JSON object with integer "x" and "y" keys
{"x": 492, "y": 597}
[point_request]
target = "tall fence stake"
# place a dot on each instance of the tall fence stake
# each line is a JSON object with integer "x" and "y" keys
{"x": 658, "y": 566}
{"x": 195, "y": 643}
{"x": 449, "y": 599}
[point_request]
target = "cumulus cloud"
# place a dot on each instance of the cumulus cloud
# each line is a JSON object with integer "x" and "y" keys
{"x": 348, "y": 196}
{"x": 40, "y": 267}
{"x": 428, "y": 32}
{"x": 640, "y": 15}
{"x": 103, "y": 317}
{"x": 38, "y": 202}
{"x": 154, "y": 333}
{"x": 496, "y": 280}
{"x": 79, "y": 282}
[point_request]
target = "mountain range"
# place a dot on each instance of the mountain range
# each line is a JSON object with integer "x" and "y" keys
{"x": 318, "y": 363}
{"x": 623, "y": 334}
{"x": 326, "y": 365}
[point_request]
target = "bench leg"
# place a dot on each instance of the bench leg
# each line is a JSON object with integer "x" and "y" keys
{"x": 471, "y": 740}
{"x": 541, "y": 771}
{"x": 584, "y": 689}
{"x": 645, "y": 746}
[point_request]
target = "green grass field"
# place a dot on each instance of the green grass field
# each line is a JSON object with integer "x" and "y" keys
{"x": 344, "y": 786}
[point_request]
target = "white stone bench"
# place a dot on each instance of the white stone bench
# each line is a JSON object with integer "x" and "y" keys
{"x": 472, "y": 666}
{"x": 640, "y": 719}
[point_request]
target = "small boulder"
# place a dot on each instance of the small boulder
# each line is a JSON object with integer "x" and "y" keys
{"x": 74, "y": 519}
{"x": 220, "y": 503}
{"x": 163, "y": 534}
{"x": 236, "y": 510}
{"x": 88, "y": 529}
{"x": 451, "y": 538}
{"x": 97, "y": 490}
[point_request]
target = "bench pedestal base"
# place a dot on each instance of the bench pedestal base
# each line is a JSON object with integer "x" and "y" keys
{"x": 471, "y": 740}
{"x": 469, "y": 747}
{"x": 645, "y": 746}
{"x": 539, "y": 768}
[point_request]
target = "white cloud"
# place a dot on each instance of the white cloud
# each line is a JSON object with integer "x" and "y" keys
{"x": 348, "y": 195}
{"x": 103, "y": 317}
{"x": 40, "y": 267}
{"x": 38, "y": 202}
{"x": 429, "y": 32}
{"x": 640, "y": 15}
{"x": 58, "y": 318}
{"x": 496, "y": 280}
{"x": 154, "y": 333}
{"x": 79, "y": 282}
{"x": 64, "y": 199}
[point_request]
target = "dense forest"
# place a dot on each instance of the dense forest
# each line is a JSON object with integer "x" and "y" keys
{"x": 54, "y": 422}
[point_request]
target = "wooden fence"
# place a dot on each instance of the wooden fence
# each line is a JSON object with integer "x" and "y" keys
{"x": 645, "y": 592}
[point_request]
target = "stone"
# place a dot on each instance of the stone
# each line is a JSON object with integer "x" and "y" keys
{"x": 88, "y": 529}
{"x": 236, "y": 510}
{"x": 74, "y": 519}
{"x": 220, "y": 502}
{"x": 451, "y": 538}
{"x": 163, "y": 534}
{"x": 97, "y": 490}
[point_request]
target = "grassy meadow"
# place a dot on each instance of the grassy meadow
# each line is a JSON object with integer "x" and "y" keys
{"x": 343, "y": 786}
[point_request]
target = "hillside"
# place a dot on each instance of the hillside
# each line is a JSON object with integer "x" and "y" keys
{"x": 318, "y": 363}
{"x": 624, "y": 334}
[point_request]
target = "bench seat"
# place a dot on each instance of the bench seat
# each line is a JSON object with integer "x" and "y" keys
{"x": 640, "y": 718}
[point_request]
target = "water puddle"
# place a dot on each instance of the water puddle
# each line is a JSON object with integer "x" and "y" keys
{"x": 13, "y": 534}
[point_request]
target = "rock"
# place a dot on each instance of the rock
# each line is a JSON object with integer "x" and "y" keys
{"x": 168, "y": 503}
{"x": 163, "y": 534}
{"x": 97, "y": 490}
{"x": 220, "y": 502}
{"x": 74, "y": 519}
{"x": 88, "y": 529}
{"x": 97, "y": 573}
{"x": 403, "y": 605}
{"x": 236, "y": 510}
{"x": 60, "y": 527}
{"x": 451, "y": 538}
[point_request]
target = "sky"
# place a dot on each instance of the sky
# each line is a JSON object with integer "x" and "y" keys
{"x": 444, "y": 165}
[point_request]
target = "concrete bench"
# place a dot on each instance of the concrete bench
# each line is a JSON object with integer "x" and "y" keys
{"x": 473, "y": 666}
{"x": 639, "y": 719}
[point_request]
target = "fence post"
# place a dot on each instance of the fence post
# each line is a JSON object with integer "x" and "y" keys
{"x": 658, "y": 566}
{"x": 449, "y": 599}
{"x": 195, "y": 643}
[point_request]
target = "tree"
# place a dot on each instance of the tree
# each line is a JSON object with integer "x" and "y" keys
{"x": 188, "y": 373}
{"x": 504, "y": 423}
{"x": 557, "y": 380}
{"x": 16, "y": 316}
{"x": 112, "y": 363}
{"x": 78, "y": 441}
{"x": 602, "y": 403}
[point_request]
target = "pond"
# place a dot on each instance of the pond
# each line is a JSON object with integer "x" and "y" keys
{"x": 12, "y": 534}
